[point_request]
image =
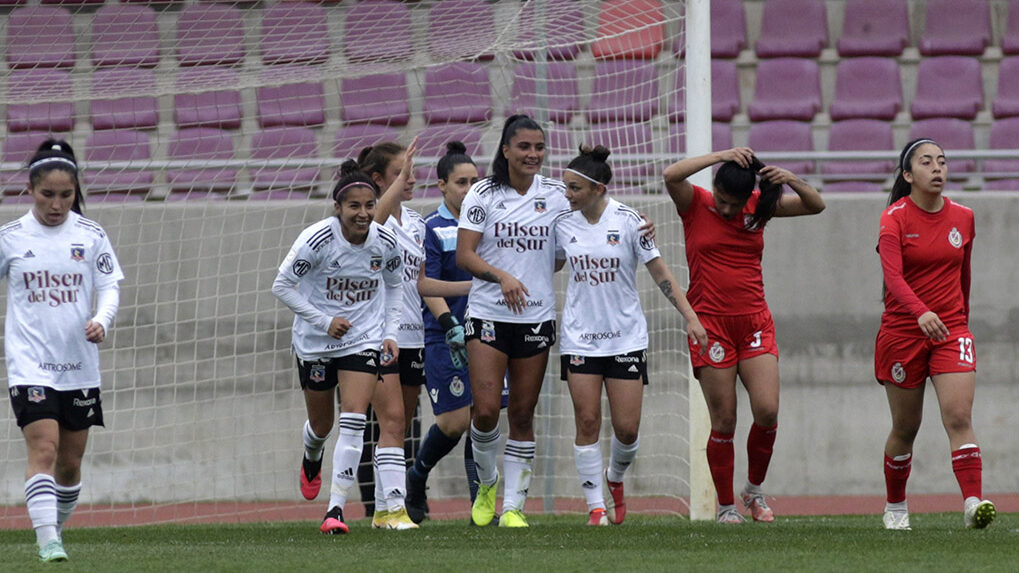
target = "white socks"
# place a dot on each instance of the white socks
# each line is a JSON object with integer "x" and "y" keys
{"x": 41, "y": 501}
{"x": 67, "y": 500}
{"x": 346, "y": 456}
{"x": 313, "y": 444}
{"x": 517, "y": 462}
{"x": 588, "y": 459}
{"x": 620, "y": 457}
{"x": 390, "y": 478}
{"x": 486, "y": 449}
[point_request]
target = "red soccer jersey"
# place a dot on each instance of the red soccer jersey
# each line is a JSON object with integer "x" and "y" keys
{"x": 724, "y": 258}
{"x": 925, "y": 259}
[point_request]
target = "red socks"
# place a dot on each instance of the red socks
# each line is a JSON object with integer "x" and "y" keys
{"x": 968, "y": 468}
{"x": 721, "y": 462}
{"x": 760, "y": 444}
{"x": 896, "y": 475}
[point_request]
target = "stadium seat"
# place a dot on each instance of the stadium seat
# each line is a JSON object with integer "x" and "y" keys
{"x": 625, "y": 138}
{"x": 952, "y": 134}
{"x": 40, "y": 37}
{"x": 793, "y": 28}
{"x": 728, "y": 28}
{"x": 28, "y": 85}
{"x": 867, "y": 87}
{"x": 858, "y": 135}
{"x": 378, "y": 98}
{"x": 61, "y": 2}
{"x": 956, "y": 28}
{"x": 630, "y": 29}
{"x": 284, "y": 143}
{"x": 378, "y": 31}
{"x": 948, "y": 86}
{"x": 725, "y": 100}
{"x": 457, "y": 93}
{"x": 1007, "y": 102}
{"x": 196, "y": 144}
{"x": 125, "y": 35}
{"x": 112, "y": 109}
{"x": 351, "y": 139}
{"x": 561, "y": 99}
{"x": 19, "y": 148}
{"x": 721, "y": 137}
{"x": 297, "y": 104}
{"x": 432, "y": 143}
{"x": 783, "y": 135}
{"x": 117, "y": 145}
{"x": 564, "y": 25}
{"x": 294, "y": 32}
{"x": 624, "y": 90}
{"x": 874, "y": 28}
{"x": 1004, "y": 135}
{"x": 200, "y": 103}
{"x": 210, "y": 34}
{"x": 1010, "y": 39}
{"x": 786, "y": 88}
{"x": 448, "y": 18}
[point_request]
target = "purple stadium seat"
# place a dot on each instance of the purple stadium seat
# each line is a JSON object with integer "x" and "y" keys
{"x": 630, "y": 29}
{"x": 956, "y": 27}
{"x": 793, "y": 28}
{"x": 867, "y": 88}
{"x": 1007, "y": 102}
{"x": 284, "y": 143}
{"x": 952, "y": 134}
{"x": 27, "y": 85}
{"x": 19, "y": 148}
{"x": 378, "y": 98}
{"x": 787, "y": 88}
{"x": 874, "y": 28}
{"x": 209, "y": 34}
{"x": 728, "y": 31}
{"x": 198, "y": 144}
{"x": 457, "y": 93}
{"x": 725, "y": 100}
{"x": 1010, "y": 40}
{"x": 625, "y": 138}
{"x": 783, "y": 136}
{"x": 117, "y": 145}
{"x": 721, "y": 137}
{"x": 298, "y": 104}
{"x": 198, "y": 102}
{"x": 351, "y": 139}
{"x": 948, "y": 86}
{"x": 564, "y": 26}
{"x": 112, "y": 109}
{"x": 1004, "y": 135}
{"x": 40, "y": 37}
{"x": 125, "y": 35}
{"x": 378, "y": 30}
{"x": 561, "y": 100}
{"x": 432, "y": 143}
{"x": 294, "y": 32}
{"x": 61, "y": 2}
{"x": 858, "y": 135}
{"x": 624, "y": 90}
{"x": 446, "y": 22}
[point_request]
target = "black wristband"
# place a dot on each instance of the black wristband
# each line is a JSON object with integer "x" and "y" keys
{"x": 447, "y": 321}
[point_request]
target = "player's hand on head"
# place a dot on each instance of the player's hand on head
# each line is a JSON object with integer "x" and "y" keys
{"x": 932, "y": 326}
{"x": 94, "y": 332}
{"x": 775, "y": 174}
{"x": 743, "y": 156}
{"x": 515, "y": 293}
{"x": 338, "y": 327}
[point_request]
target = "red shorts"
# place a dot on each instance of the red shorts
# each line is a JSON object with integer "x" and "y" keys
{"x": 732, "y": 339}
{"x": 907, "y": 361}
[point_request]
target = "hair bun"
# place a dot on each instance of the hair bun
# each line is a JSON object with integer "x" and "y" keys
{"x": 58, "y": 146}
{"x": 456, "y": 148}
{"x": 598, "y": 153}
{"x": 347, "y": 167}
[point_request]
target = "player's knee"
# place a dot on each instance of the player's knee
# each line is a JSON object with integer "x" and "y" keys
{"x": 68, "y": 471}
{"x": 521, "y": 422}
{"x": 588, "y": 424}
{"x": 724, "y": 424}
{"x": 958, "y": 421}
{"x": 626, "y": 434}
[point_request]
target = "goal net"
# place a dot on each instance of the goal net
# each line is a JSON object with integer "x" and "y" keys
{"x": 210, "y": 134}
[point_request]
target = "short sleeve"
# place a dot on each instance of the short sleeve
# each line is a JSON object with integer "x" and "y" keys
{"x": 299, "y": 261}
{"x": 700, "y": 195}
{"x": 473, "y": 211}
{"x": 107, "y": 267}
{"x": 393, "y": 274}
{"x": 644, "y": 248}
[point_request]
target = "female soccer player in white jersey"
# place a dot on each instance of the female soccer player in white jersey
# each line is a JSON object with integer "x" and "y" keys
{"x": 604, "y": 335}
{"x": 342, "y": 279}
{"x": 724, "y": 231}
{"x": 505, "y": 241}
{"x": 56, "y": 262}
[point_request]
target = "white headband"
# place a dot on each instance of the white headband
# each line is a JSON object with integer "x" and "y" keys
{"x": 574, "y": 171}
{"x": 53, "y": 160}
{"x": 905, "y": 156}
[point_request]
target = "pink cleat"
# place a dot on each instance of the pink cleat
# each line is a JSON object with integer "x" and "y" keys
{"x": 311, "y": 478}
{"x": 597, "y": 518}
{"x": 333, "y": 523}
{"x": 617, "y": 507}
{"x": 758, "y": 508}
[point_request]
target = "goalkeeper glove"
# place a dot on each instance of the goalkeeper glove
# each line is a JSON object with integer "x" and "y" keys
{"x": 454, "y": 339}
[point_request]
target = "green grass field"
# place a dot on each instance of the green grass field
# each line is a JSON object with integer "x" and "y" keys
{"x": 938, "y": 542}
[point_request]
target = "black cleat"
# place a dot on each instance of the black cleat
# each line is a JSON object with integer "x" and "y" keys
{"x": 417, "y": 497}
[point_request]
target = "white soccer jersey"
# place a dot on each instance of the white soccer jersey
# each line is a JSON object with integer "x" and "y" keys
{"x": 52, "y": 274}
{"x": 517, "y": 237}
{"x": 602, "y": 314}
{"x": 410, "y": 237}
{"x": 325, "y": 276}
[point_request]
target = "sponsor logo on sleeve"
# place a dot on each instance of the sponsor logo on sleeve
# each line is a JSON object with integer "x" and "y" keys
{"x": 301, "y": 267}
{"x": 105, "y": 264}
{"x": 476, "y": 215}
{"x": 393, "y": 264}
{"x": 375, "y": 264}
{"x": 647, "y": 243}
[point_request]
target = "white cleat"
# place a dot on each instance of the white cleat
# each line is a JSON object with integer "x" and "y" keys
{"x": 729, "y": 515}
{"x": 979, "y": 513}
{"x": 897, "y": 519}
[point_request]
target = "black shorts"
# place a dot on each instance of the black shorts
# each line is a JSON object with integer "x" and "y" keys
{"x": 410, "y": 365}
{"x": 512, "y": 339}
{"x": 629, "y": 366}
{"x": 73, "y": 409}
{"x": 321, "y": 374}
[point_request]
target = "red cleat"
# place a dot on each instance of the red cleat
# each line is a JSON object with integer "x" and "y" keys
{"x": 597, "y": 518}
{"x": 617, "y": 507}
{"x": 333, "y": 523}
{"x": 311, "y": 478}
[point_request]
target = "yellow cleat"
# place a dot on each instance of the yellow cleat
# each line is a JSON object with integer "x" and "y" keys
{"x": 513, "y": 518}
{"x": 400, "y": 520}
{"x": 381, "y": 519}
{"x": 483, "y": 509}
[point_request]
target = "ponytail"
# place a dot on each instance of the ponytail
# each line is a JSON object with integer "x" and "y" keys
{"x": 901, "y": 187}
{"x": 56, "y": 155}
{"x": 375, "y": 158}
{"x": 500, "y": 165}
{"x": 739, "y": 182}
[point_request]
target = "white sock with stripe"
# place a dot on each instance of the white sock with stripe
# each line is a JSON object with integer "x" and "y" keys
{"x": 589, "y": 466}
{"x": 346, "y": 456}
{"x": 41, "y": 502}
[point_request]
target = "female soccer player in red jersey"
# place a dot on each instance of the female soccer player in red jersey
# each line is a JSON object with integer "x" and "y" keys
{"x": 925, "y": 244}
{"x": 724, "y": 241}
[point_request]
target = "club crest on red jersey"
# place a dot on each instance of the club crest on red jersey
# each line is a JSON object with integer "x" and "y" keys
{"x": 77, "y": 252}
{"x": 955, "y": 238}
